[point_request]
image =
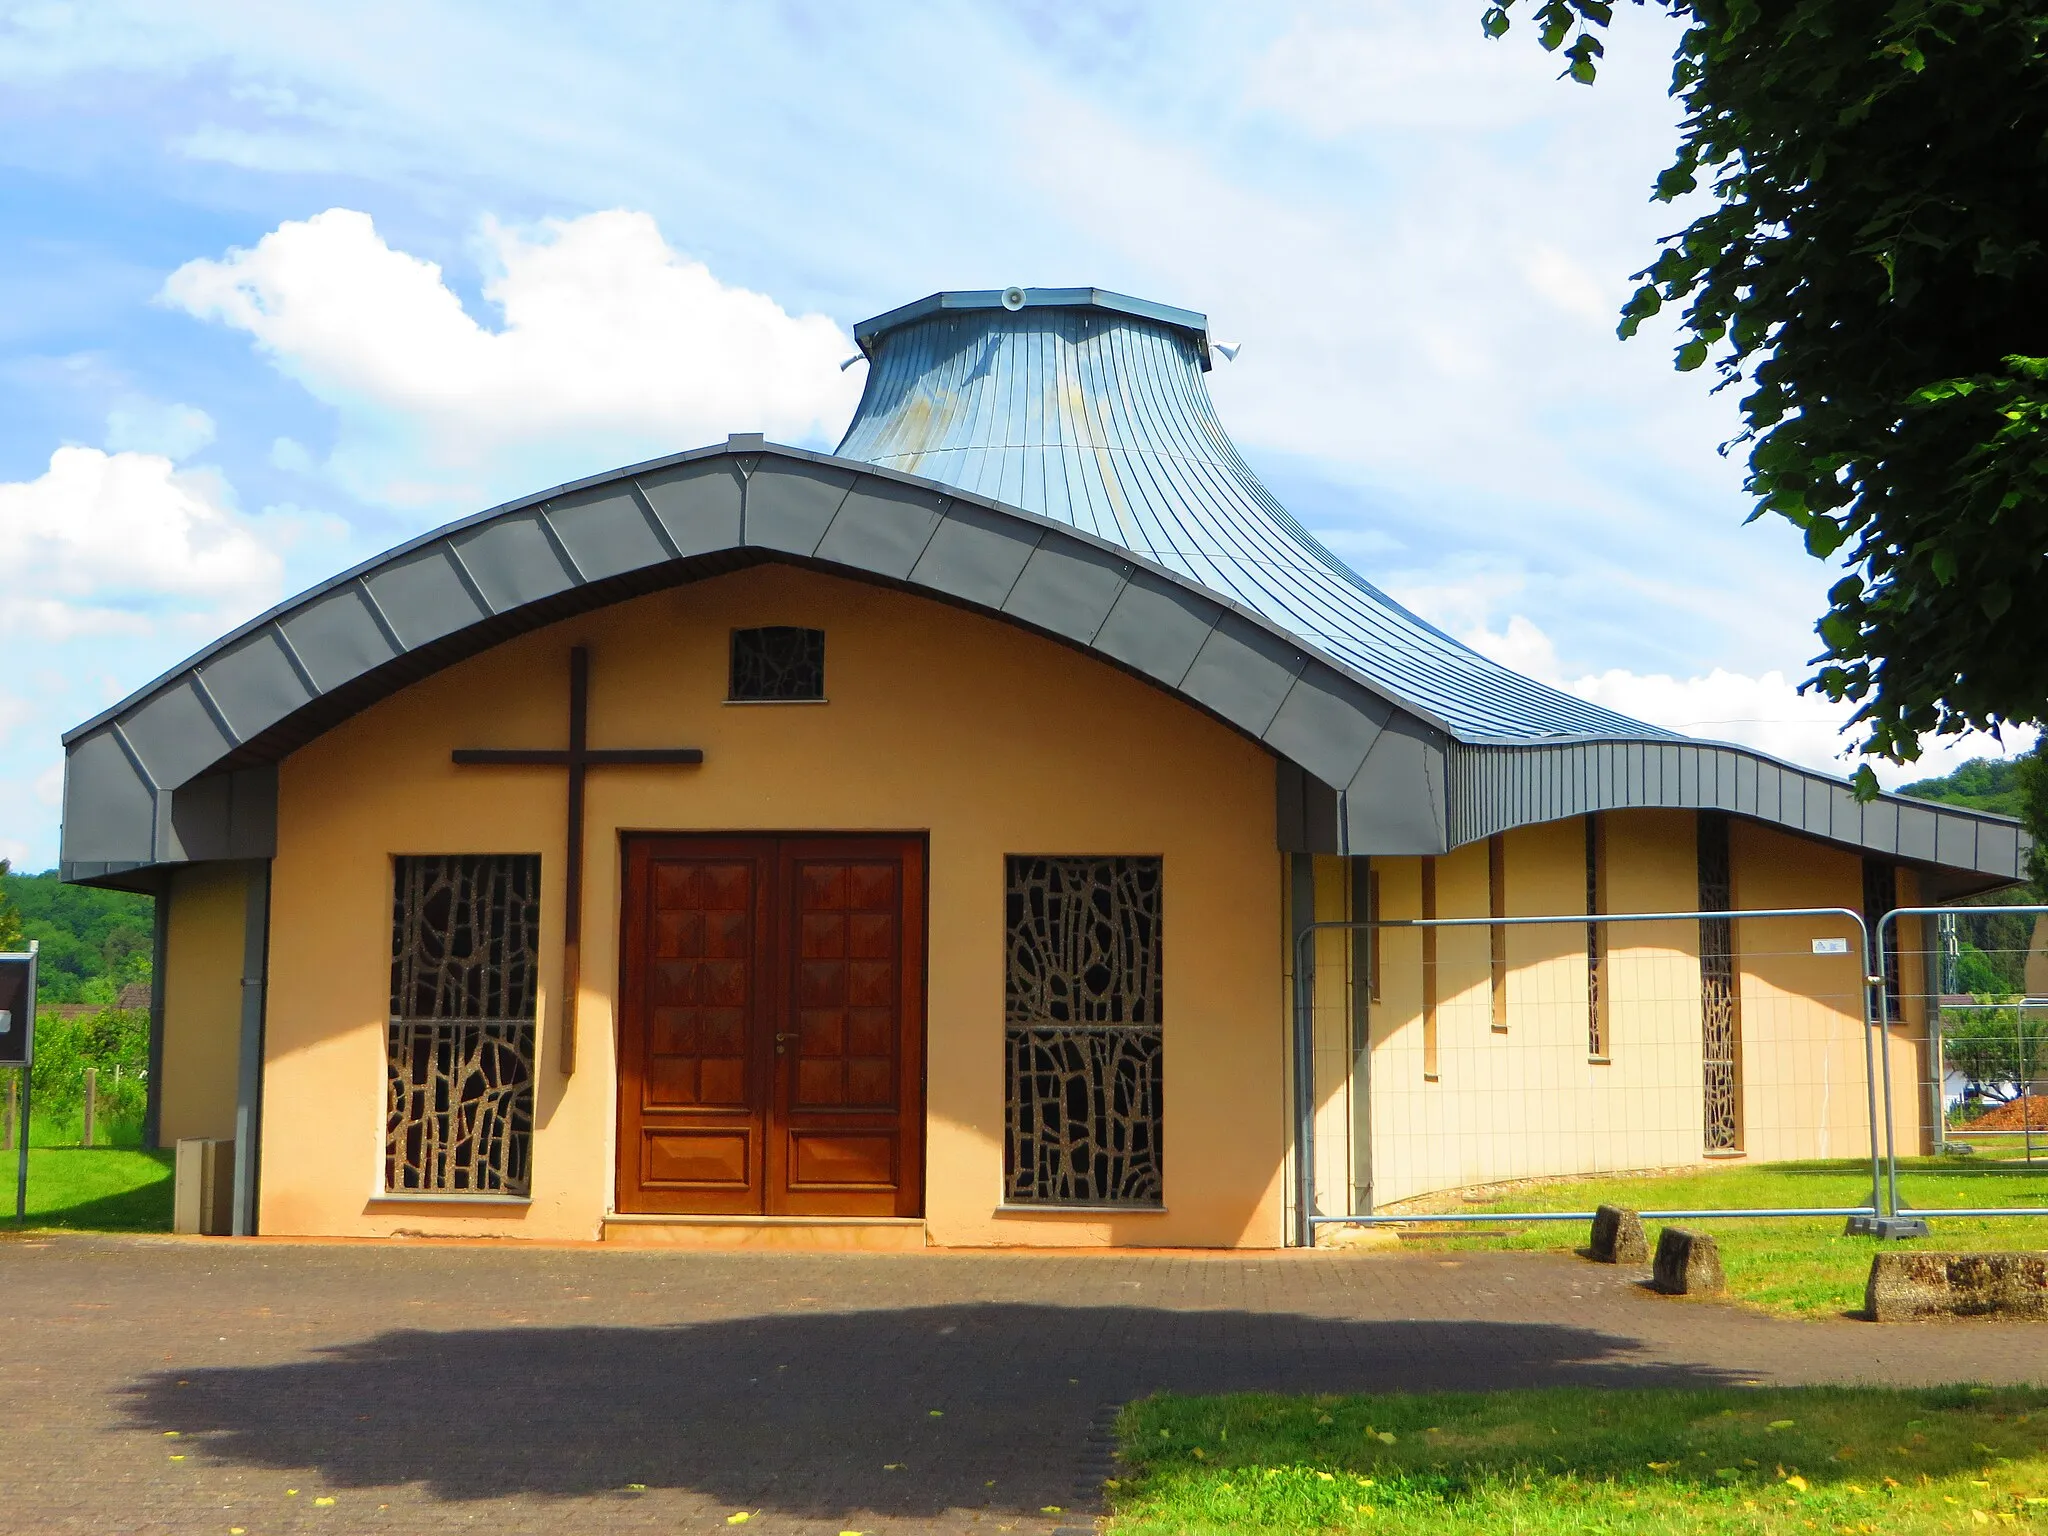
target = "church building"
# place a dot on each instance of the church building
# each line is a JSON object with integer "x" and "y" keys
{"x": 913, "y": 845}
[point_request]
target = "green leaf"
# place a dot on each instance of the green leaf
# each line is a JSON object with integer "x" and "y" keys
{"x": 1864, "y": 782}
{"x": 1691, "y": 355}
{"x": 1943, "y": 563}
{"x": 1495, "y": 22}
{"x": 1823, "y": 537}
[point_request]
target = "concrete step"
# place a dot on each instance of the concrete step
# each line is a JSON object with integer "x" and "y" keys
{"x": 814, "y": 1234}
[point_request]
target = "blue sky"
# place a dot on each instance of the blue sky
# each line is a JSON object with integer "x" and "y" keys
{"x": 282, "y": 285}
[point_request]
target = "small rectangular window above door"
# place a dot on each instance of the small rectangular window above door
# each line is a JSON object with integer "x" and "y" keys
{"x": 1084, "y": 987}
{"x": 777, "y": 665}
{"x": 465, "y": 943}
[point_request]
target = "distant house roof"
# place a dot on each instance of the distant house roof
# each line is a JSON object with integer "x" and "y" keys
{"x": 1055, "y": 461}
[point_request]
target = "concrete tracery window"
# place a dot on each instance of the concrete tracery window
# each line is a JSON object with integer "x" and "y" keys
{"x": 1720, "y": 991}
{"x": 778, "y": 664}
{"x": 1084, "y": 989}
{"x": 465, "y": 933}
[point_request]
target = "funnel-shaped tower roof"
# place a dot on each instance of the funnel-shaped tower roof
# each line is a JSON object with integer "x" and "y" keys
{"x": 1090, "y": 408}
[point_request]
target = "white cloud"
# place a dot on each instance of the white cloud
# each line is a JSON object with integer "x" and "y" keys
{"x": 144, "y": 426}
{"x": 1767, "y": 711}
{"x": 612, "y": 347}
{"x": 103, "y": 541}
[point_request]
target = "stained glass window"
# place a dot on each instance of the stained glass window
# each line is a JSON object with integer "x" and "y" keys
{"x": 465, "y": 937}
{"x": 779, "y": 664}
{"x": 1084, "y": 990}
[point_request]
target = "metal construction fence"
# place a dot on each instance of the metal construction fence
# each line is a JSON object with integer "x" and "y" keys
{"x": 1452, "y": 1070}
{"x": 1980, "y": 1054}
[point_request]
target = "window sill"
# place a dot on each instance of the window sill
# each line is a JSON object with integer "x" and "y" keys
{"x": 1080, "y": 1210}
{"x": 1725, "y": 1154}
{"x": 457, "y": 1197}
{"x": 1599, "y": 1061}
{"x": 755, "y": 703}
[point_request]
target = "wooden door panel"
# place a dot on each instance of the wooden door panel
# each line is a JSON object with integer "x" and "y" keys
{"x": 771, "y": 1027}
{"x": 849, "y": 1092}
{"x": 694, "y": 997}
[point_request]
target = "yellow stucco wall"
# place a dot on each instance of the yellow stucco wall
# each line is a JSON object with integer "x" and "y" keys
{"x": 990, "y": 739}
{"x": 202, "y": 990}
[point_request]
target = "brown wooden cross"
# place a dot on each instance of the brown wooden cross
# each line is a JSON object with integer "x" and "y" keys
{"x": 579, "y": 759}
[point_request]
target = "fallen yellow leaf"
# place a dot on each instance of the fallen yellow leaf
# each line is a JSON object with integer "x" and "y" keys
{"x": 1385, "y": 1437}
{"x": 937, "y": 1413}
{"x": 172, "y": 1434}
{"x": 177, "y": 1458}
{"x": 739, "y": 1517}
{"x": 892, "y": 1466}
{"x": 1796, "y": 1482}
{"x": 636, "y": 1487}
{"x": 291, "y": 1493}
{"x": 1782, "y": 1423}
{"x": 1662, "y": 1466}
{"x": 1052, "y": 1509}
{"x": 323, "y": 1502}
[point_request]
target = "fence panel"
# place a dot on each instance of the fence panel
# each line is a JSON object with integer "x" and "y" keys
{"x": 1547, "y": 1055}
{"x": 1975, "y": 1030}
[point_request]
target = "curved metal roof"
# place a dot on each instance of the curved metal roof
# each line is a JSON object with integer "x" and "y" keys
{"x": 1391, "y": 737}
{"x": 1096, "y": 414}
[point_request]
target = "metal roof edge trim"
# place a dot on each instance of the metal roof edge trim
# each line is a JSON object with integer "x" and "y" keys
{"x": 419, "y": 541}
{"x": 1821, "y": 775}
{"x": 1190, "y": 321}
{"x": 746, "y": 450}
{"x": 1594, "y": 786}
{"x": 751, "y": 445}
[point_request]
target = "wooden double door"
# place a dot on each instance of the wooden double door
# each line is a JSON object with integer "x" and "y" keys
{"x": 771, "y": 1028}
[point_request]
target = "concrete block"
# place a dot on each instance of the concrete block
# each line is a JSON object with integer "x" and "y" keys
{"x": 203, "y": 1194}
{"x": 1688, "y": 1264}
{"x": 1618, "y": 1236}
{"x": 1904, "y": 1286}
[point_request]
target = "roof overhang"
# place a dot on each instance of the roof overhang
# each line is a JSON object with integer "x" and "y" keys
{"x": 185, "y": 769}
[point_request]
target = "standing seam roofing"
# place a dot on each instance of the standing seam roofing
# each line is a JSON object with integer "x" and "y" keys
{"x": 1101, "y": 419}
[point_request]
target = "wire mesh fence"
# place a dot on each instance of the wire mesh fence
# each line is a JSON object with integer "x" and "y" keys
{"x": 1547, "y": 1056}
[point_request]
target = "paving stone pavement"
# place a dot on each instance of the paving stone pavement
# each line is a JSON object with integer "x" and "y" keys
{"x": 198, "y": 1386}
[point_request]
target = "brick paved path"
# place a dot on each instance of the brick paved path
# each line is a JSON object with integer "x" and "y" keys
{"x": 502, "y": 1389}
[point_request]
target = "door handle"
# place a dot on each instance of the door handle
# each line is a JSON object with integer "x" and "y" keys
{"x": 779, "y": 1038}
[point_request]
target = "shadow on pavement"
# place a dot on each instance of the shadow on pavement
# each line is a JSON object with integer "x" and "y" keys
{"x": 805, "y": 1413}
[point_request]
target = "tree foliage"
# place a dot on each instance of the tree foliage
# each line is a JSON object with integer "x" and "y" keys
{"x": 94, "y": 942}
{"x": 1872, "y": 272}
{"x": 12, "y": 937}
{"x": 2002, "y": 1053}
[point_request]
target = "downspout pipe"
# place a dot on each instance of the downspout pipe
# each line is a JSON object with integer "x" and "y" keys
{"x": 249, "y": 1080}
{"x": 1301, "y": 915}
{"x": 159, "y": 977}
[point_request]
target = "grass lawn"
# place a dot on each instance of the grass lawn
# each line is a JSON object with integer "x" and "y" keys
{"x": 101, "y": 1189}
{"x": 1585, "y": 1460}
{"x": 1801, "y": 1266}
